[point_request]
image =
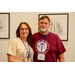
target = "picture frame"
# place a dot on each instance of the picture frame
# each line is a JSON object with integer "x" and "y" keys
{"x": 58, "y": 24}
{"x": 4, "y": 25}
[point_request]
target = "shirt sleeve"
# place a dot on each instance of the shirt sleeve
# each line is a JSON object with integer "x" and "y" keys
{"x": 61, "y": 48}
{"x": 12, "y": 48}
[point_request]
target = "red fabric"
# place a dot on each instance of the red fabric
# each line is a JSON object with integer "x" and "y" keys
{"x": 52, "y": 47}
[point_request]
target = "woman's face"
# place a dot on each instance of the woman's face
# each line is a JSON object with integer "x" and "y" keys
{"x": 24, "y": 31}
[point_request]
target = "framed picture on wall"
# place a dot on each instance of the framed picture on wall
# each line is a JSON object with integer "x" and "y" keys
{"x": 59, "y": 24}
{"x": 4, "y": 25}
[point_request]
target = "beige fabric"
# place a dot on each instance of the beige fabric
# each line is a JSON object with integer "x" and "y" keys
{"x": 17, "y": 49}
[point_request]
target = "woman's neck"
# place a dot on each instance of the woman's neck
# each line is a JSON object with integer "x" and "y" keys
{"x": 24, "y": 39}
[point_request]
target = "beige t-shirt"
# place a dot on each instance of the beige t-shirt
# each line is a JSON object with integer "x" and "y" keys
{"x": 17, "y": 49}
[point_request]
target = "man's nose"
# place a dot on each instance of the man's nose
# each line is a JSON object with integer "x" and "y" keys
{"x": 43, "y": 24}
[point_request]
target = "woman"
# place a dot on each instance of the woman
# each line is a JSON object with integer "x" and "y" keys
{"x": 20, "y": 48}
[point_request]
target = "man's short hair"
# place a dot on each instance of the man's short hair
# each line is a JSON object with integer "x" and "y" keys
{"x": 43, "y": 17}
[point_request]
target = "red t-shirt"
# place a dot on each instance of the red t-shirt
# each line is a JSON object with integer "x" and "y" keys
{"x": 53, "y": 47}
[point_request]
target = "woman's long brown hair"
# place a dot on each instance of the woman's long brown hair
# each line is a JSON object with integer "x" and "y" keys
{"x": 30, "y": 37}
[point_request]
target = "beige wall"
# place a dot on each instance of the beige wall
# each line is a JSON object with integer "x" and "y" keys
{"x": 32, "y": 19}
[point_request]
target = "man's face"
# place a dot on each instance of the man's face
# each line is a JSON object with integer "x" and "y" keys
{"x": 44, "y": 25}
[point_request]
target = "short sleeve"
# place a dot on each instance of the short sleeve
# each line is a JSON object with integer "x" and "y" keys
{"x": 61, "y": 48}
{"x": 12, "y": 48}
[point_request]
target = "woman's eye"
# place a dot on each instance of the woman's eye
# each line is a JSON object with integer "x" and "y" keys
{"x": 24, "y": 29}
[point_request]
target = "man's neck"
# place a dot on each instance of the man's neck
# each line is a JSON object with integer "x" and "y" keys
{"x": 44, "y": 33}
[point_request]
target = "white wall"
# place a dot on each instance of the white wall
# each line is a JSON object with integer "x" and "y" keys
{"x": 32, "y": 19}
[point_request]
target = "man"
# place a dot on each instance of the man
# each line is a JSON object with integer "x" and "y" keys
{"x": 47, "y": 46}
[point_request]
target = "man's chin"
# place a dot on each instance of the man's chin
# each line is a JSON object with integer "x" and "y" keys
{"x": 43, "y": 30}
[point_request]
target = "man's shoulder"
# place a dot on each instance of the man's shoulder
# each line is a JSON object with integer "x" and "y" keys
{"x": 53, "y": 34}
{"x": 35, "y": 34}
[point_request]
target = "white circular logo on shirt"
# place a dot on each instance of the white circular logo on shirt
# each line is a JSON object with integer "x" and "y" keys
{"x": 45, "y": 47}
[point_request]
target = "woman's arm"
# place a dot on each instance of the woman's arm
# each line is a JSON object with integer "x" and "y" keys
{"x": 11, "y": 58}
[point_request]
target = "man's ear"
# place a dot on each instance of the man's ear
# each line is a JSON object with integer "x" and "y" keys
{"x": 49, "y": 25}
{"x": 38, "y": 24}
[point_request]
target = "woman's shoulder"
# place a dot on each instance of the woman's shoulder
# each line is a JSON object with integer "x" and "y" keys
{"x": 15, "y": 40}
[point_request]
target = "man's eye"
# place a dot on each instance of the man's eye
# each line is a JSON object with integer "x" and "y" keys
{"x": 45, "y": 23}
{"x": 41, "y": 22}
